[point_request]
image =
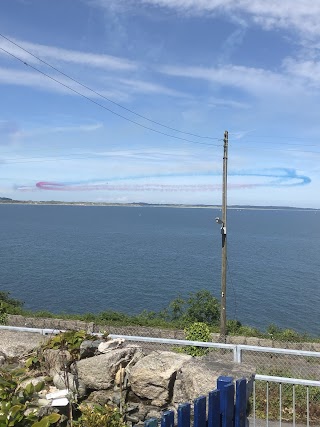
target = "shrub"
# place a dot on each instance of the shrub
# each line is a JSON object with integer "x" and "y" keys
{"x": 198, "y": 331}
{"x": 99, "y": 416}
{"x": 17, "y": 403}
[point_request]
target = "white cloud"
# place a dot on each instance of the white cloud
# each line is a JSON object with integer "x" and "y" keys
{"x": 140, "y": 86}
{"x": 58, "y": 54}
{"x": 58, "y": 129}
{"x": 252, "y": 80}
{"x": 35, "y": 80}
{"x": 300, "y": 15}
{"x": 309, "y": 71}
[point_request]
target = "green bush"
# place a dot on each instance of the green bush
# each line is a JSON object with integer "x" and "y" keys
{"x": 16, "y": 403}
{"x": 198, "y": 331}
{"x": 99, "y": 416}
{"x": 69, "y": 340}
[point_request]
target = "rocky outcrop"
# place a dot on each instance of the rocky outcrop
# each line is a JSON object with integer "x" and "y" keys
{"x": 120, "y": 373}
{"x": 199, "y": 376}
{"x": 98, "y": 372}
{"x": 153, "y": 376}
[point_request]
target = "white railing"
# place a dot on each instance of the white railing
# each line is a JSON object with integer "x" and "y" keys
{"x": 294, "y": 402}
{"x": 237, "y": 349}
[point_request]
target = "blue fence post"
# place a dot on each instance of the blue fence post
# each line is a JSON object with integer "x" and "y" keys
{"x": 241, "y": 403}
{"x": 184, "y": 414}
{"x": 226, "y": 387}
{"x": 214, "y": 409}
{"x": 167, "y": 419}
{"x": 200, "y": 414}
{"x": 152, "y": 422}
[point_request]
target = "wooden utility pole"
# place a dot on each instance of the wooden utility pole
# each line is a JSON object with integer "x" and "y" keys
{"x": 223, "y": 314}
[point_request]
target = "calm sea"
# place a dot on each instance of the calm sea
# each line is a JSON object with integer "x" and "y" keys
{"x": 89, "y": 259}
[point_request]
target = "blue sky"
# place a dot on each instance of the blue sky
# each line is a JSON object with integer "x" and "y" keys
{"x": 200, "y": 66}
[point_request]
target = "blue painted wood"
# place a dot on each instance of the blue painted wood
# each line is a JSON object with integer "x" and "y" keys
{"x": 226, "y": 403}
{"x": 184, "y": 412}
{"x": 222, "y": 381}
{"x": 152, "y": 422}
{"x": 214, "y": 418}
{"x": 167, "y": 419}
{"x": 241, "y": 403}
{"x": 200, "y": 415}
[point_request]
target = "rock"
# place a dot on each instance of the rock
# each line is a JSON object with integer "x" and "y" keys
{"x": 106, "y": 346}
{"x": 153, "y": 376}
{"x": 56, "y": 360}
{"x": 15, "y": 344}
{"x": 154, "y": 413}
{"x": 100, "y": 397}
{"x": 199, "y": 376}
{"x": 89, "y": 348}
{"x": 61, "y": 381}
{"x": 47, "y": 410}
{"x": 2, "y": 358}
{"x": 98, "y": 372}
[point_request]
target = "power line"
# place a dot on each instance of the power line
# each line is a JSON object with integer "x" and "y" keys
{"x": 104, "y": 107}
{"x": 102, "y": 96}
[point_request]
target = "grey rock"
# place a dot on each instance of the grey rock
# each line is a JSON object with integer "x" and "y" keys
{"x": 153, "y": 376}
{"x": 199, "y": 376}
{"x": 107, "y": 346}
{"x": 17, "y": 344}
{"x": 132, "y": 418}
{"x": 47, "y": 410}
{"x": 89, "y": 348}
{"x": 62, "y": 380}
{"x": 2, "y": 358}
{"x": 56, "y": 360}
{"x": 100, "y": 397}
{"x": 98, "y": 372}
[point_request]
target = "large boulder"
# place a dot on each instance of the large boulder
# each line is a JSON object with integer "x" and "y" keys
{"x": 98, "y": 372}
{"x": 199, "y": 376}
{"x": 153, "y": 376}
{"x": 15, "y": 344}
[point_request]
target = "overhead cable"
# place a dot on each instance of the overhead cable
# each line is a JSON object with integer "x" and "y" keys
{"x": 101, "y": 95}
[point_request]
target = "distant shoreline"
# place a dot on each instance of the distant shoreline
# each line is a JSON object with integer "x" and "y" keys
{"x": 5, "y": 201}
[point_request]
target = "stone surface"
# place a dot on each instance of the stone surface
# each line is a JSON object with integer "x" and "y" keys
{"x": 199, "y": 376}
{"x": 100, "y": 397}
{"x": 107, "y": 346}
{"x": 56, "y": 360}
{"x": 18, "y": 344}
{"x": 153, "y": 376}
{"x": 98, "y": 372}
{"x": 2, "y": 358}
{"x": 89, "y": 348}
{"x": 61, "y": 381}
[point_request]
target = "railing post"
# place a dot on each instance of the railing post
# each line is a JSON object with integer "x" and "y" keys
{"x": 200, "y": 413}
{"x": 241, "y": 403}
{"x": 184, "y": 414}
{"x": 152, "y": 422}
{"x": 226, "y": 387}
{"x": 214, "y": 409}
{"x": 237, "y": 354}
{"x": 167, "y": 419}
